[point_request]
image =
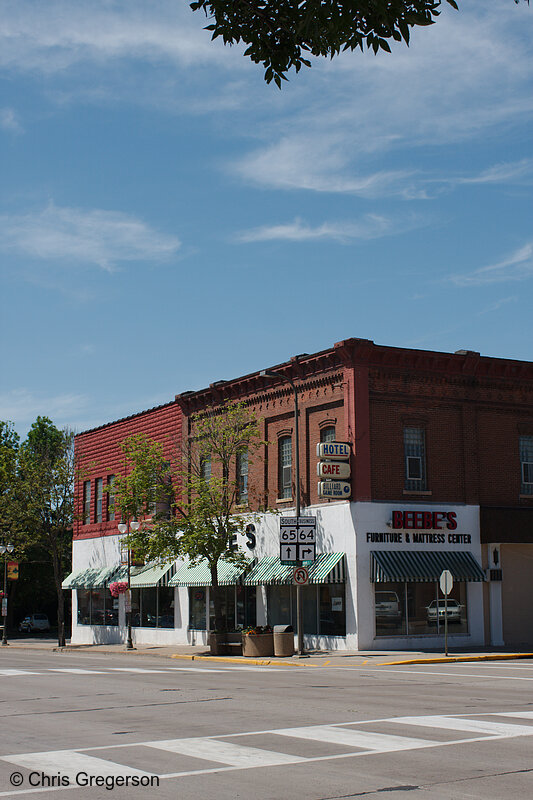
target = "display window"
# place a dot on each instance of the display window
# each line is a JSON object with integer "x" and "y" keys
{"x": 324, "y": 608}
{"x": 97, "y": 607}
{"x": 419, "y": 609}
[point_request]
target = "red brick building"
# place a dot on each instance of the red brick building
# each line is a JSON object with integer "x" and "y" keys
{"x": 441, "y": 477}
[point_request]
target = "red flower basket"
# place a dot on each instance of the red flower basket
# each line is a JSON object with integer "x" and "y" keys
{"x": 118, "y": 587}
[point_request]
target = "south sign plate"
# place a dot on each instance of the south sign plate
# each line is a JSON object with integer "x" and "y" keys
{"x": 301, "y": 530}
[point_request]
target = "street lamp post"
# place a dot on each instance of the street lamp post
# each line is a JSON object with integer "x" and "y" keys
{"x": 5, "y": 550}
{"x": 266, "y": 373}
{"x": 125, "y": 527}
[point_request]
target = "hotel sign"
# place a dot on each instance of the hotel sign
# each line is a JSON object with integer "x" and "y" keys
{"x": 340, "y": 451}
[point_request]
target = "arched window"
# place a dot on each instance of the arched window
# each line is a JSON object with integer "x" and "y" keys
{"x": 242, "y": 478}
{"x": 327, "y": 434}
{"x": 285, "y": 467}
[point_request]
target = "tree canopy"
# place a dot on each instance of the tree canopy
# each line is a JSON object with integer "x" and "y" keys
{"x": 279, "y": 33}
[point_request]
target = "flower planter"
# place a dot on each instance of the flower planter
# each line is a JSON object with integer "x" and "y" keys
{"x": 257, "y": 645}
{"x": 217, "y": 644}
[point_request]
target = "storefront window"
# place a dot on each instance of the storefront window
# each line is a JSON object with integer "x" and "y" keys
{"x": 197, "y": 609}
{"x": 226, "y": 595}
{"x": 97, "y": 607}
{"x": 390, "y": 609}
{"x": 149, "y": 607}
{"x": 332, "y": 609}
{"x": 165, "y": 608}
{"x": 417, "y": 609}
{"x": 135, "y": 607}
{"x": 324, "y": 608}
{"x": 84, "y": 607}
{"x": 246, "y": 606}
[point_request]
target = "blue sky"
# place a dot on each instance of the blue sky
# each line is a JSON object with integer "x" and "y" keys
{"x": 168, "y": 220}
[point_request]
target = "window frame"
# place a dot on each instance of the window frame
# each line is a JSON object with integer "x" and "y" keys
{"x": 86, "y": 502}
{"x": 414, "y": 448}
{"x": 98, "y": 499}
{"x": 242, "y": 477}
{"x": 284, "y": 469}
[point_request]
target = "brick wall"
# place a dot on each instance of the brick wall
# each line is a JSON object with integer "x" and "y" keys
{"x": 99, "y": 456}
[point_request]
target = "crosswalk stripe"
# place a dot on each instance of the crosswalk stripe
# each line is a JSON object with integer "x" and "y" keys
{"x": 235, "y": 755}
{"x": 70, "y": 763}
{"x": 355, "y": 738}
{"x": 9, "y": 673}
{"x": 74, "y": 671}
{"x": 470, "y": 725}
{"x": 136, "y": 669}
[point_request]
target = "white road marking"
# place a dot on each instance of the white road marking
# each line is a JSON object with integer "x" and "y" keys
{"x": 471, "y": 725}
{"x": 74, "y": 671}
{"x": 408, "y": 671}
{"x": 136, "y": 669}
{"x": 231, "y": 757}
{"x": 70, "y": 763}
{"x": 235, "y": 755}
{"x": 11, "y": 673}
{"x": 380, "y": 742}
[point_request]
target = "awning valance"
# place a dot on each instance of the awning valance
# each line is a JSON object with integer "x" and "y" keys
{"x": 91, "y": 578}
{"x": 152, "y": 575}
{"x": 422, "y": 567}
{"x": 328, "y": 568}
{"x": 200, "y": 575}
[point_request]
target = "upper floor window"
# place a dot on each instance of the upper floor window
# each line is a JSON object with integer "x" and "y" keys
{"x": 111, "y": 498}
{"x": 327, "y": 434}
{"x": 86, "y": 502}
{"x": 205, "y": 468}
{"x": 98, "y": 497}
{"x": 285, "y": 467}
{"x": 526, "y": 464}
{"x": 242, "y": 477}
{"x": 414, "y": 441}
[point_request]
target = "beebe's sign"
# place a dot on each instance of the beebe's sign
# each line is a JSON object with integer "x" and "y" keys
{"x": 337, "y": 450}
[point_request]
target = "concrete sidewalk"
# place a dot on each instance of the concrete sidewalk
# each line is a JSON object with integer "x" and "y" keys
{"x": 336, "y": 658}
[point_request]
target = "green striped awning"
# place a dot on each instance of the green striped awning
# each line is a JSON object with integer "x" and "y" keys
{"x": 200, "y": 575}
{"x": 422, "y": 567}
{"x": 328, "y": 568}
{"x": 152, "y": 575}
{"x": 91, "y": 578}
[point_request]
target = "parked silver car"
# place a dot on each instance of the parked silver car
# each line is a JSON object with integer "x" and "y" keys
{"x": 34, "y": 622}
{"x": 453, "y": 611}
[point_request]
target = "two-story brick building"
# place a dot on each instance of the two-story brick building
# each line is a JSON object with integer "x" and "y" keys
{"x": 441, "y": 477}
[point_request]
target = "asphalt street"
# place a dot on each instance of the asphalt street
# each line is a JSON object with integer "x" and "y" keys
{"x": 160, "y": 728}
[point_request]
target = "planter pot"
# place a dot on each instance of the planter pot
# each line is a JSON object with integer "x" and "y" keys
{"x": 217, "y": 644}
{"x": 258, "y": 645}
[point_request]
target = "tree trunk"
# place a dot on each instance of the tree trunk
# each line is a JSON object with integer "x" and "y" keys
{"x": 219, "y": 620}
{"x": 60, "y": 598}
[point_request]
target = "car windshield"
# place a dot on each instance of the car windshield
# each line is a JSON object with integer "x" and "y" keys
{"x": 386, "y": 597}
{"x": 442, "y": 603}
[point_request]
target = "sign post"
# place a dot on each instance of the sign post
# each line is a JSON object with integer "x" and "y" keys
{"x": 446, "y": 585}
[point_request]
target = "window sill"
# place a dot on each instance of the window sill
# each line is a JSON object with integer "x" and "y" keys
{"x": 285, "y": 500}
{"x": 418, "y": 493}
{"x": 525, "y": 496}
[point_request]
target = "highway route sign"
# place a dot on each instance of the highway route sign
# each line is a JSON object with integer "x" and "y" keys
{"x": 297, "y": 539}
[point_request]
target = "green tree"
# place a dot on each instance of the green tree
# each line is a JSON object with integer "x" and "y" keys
{"x": 9, "y": 522}
{"x": 279, "y": 33}
{"x": 205, "y": 520}
{"x": 45, "y": 499}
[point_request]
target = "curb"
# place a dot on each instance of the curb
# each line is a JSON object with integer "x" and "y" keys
{"x": 256, "y": 662}
{"x": 451, "y": 659}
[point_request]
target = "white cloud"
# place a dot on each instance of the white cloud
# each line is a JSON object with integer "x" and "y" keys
{"x": 55, "y": 35}
{"x": 94, "y": 237}
{"x": 9, "y": 120}
{"x": 507, "y": 172}
{"x": 371, "y": 226}
{"x": 457, "y": 82}
{"x": 23, "y": 406}
{"x": 517, "y": 267}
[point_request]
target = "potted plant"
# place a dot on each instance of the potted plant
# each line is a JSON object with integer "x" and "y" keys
{"x": 258, "y": 641}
